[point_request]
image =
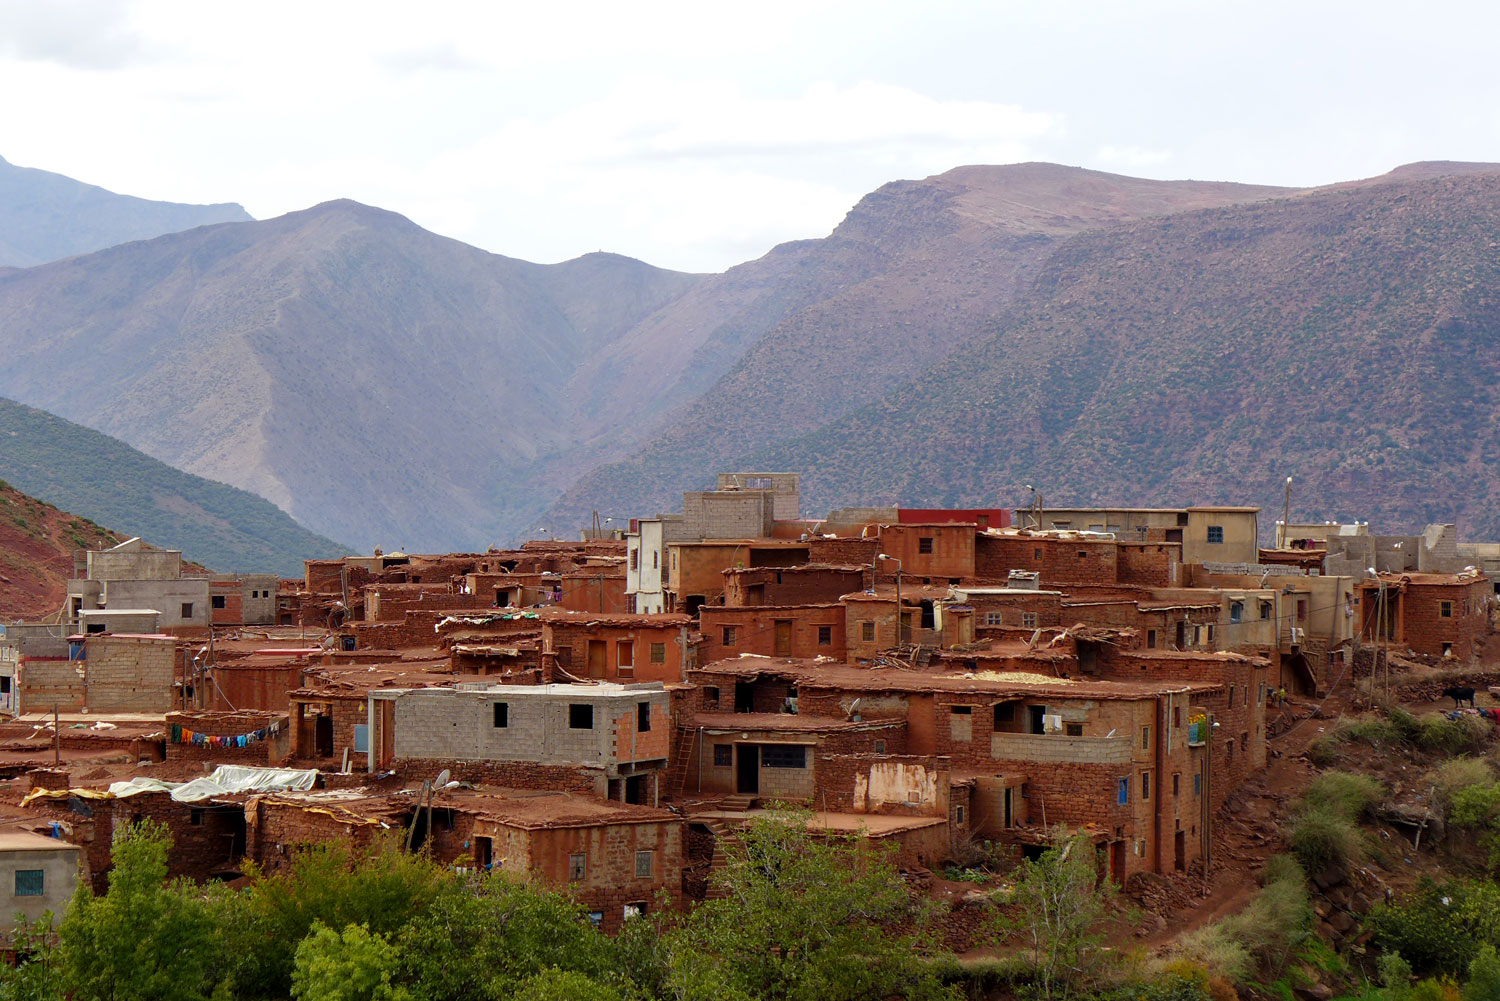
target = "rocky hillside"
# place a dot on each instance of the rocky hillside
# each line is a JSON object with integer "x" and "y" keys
{"x": 1345, "y": 337}
{"x": 99, "y": 478}
{"x": 37, "y": 542}
{"x": 46, "y": 216}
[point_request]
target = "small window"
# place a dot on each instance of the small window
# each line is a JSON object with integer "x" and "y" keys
{"x": 596, "y": 918}
{"x": 994, "y": 618}
{"x": 1216, "y": 535}
{"x": 880, "y": 747}
{"x": 1145, "y": 785}
{"x": 711, "y": 693}
{"x": 1073, "y": 729}
{"x": 1083, "y": 554}
{"x": 30, "y": 882}
{"x": 1265, "y": 609}
{"x": 361, "y": 738}
{"x": 655, "y": 560}
{"x": 502, "y": 715}
{"x": 1028, "y": 620}
{"x": 1236, "y": 611}
{"x": 1445, "y": 609}
{"x": 783, "y": 756}
{"x": 1244, "y": 742}
{"x": 1036, "y": 554}
{"x": 1197, "y": 783}
{"x": 729, "y": 635}
{"x": 723, "y": 755}
{"x": 643, "y": 717}
{"x": 1150, "y": 639}
{"x": 1447, "y": 649}
{"x": 962, "y": 710}
{"x": 1176, "y": 783}
{"x": 924, "y": 546}
{"x": 195, "y": 817}
{"x": 867, "y": 631}
{"x": 1145, "y": 738}
{"x": 1177, "y": 717}
{"x": 638, "y": 908}
{"x": 635, "y": 559}
{"x": 218, "y": 601}
{"x": 825, "y": 636}
{"x": 1122, "y": 792}
{"x": 4, "y": 684}
{"x": 958, "y": 814}
{"x": 187, "y": 610}
{"x": 658, "y": 653}
{"x": 644, "y": 864}
{"x": 577, "y": 867}
{"x": 1005, "y": 712}
{"x": 1231, "y": 696}
{"x": 580, "y": 717}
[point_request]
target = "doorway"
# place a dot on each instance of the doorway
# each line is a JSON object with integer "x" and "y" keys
{"x": 1117, "y": 862}
{"x": 1009, "y": 807}
{"x": 597, "y": 658}
{"x": 1037, "y": 723}
{"x": 744, "y": 697}
{"x": 635, "y": 790}
{"x": 323, "y": 736}
{"x": 747, "y": 768}
{"x": 783, "y": 638}
{"x": 1180, "y": 851}
{"x": 484, "y": 853}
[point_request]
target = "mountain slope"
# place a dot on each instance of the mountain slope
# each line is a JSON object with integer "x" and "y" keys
{"x": 46, "y": 216}
{"x": 918, "y": 270}
{"x": 100, "y": 478}
{"x": 380, "y": 383}
{"x": 37, "y": 542}
{"x": 1346, "y": 337}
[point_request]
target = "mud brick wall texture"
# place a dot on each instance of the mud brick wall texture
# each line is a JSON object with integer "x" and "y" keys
{"x": 1427, "y": 630}
{"x": 1058, "y": 561}
{"x": 1149, "y": 564}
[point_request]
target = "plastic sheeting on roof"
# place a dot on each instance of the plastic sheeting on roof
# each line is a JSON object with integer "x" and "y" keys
{"x": 226, "y": 780}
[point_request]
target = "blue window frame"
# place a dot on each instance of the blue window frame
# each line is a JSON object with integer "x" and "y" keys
{"x": 30, "y": 882}
{"x": 361, "y": 738}
{"x": 1124, "y": 792}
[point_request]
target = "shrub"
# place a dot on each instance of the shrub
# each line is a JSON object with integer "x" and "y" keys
{"x": 1457, "y": 774}
{"x": 1344, "y": 794}
{"x": 1373, "y": 730}
{"x": 1463, "y": 735}
{"x": 1405, "y": 724}
{"x": 1324, "y": 750}
{"x": 1215, "y": 949}
{"x": 1395, "y": 975}
{"x": 1484, "y": 976}
{"x": 1441, "y": 927}
{"x": 1261, "y": 937}
{"x": 1321, "y": 838}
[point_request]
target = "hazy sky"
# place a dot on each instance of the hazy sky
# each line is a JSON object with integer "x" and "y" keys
{"x": 697, "y": 135}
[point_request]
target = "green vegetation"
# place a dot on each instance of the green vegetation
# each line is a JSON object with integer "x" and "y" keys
{"x": 1256, "y": 945}
{"x": 1061, "y": 905}
{"x": 107, "y": 481}
{"x": 1325, "y": 827}
{"x": 1441, "y": 927}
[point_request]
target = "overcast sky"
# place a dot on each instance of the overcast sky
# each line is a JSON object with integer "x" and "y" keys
{"x": 697, "y": 135}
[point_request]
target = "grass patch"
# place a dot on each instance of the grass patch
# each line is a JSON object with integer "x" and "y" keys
{"x": 1259, "y": 940}
{"x": 1344, "y": 794}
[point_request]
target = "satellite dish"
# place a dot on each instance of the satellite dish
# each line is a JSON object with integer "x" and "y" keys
{"x": 442, "y": 778}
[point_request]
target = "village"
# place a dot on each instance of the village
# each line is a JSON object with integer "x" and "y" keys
{"x": 602, "y": 715}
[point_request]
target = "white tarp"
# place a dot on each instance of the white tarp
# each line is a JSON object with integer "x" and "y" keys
{"x": 223, "y": 781}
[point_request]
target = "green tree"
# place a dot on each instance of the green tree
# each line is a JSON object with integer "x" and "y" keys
{"x": 145, "y": 939}
{"x": 35, "y": 975}
{"x": 805, "y": 917}
{"x": 1484, "y": 976}
{"x": 482, "y": 939}
{"x": 564, "y": 985}
{"x": 349, "y": 966}
{"x": 1061, "y": 904}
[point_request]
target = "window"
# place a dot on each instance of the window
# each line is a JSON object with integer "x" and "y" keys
{"x": 187, "y": 610}
{"x": 958, "y": 814}
{"x": 1005, "y": 712}
{"x": 1244, "y": 742}
{"x": 783, "y": 756}
{"x": 195, "y": 817}
{"x": 924, "y": 546}
{"x": 1301, "y": 609}
{"x": 1150, "y": 639}
{"x": 577, "y": 867}
{"x": 655, "y": 560}
{"x": 644, "y": 863}
{"x": 1177, "y": 717}
{"x": 625, "y": 654}
{"x": 1231, "y": 696}
{"x": 1197, "y": 783}
{"x": 502, "y": 715}
{"x": 30, "y": 882}
{"x": 723, "y": 755}
{"x": 1260, "y": 693}
{"x": 825, "y": 636}
{"x": 1036, "y": 554}
{"x": 642, "y": 717}
{"x": 580, "y": 717}
{"x": 4, "y": 684}
{"x": 596, "y": 918}
{"x": 635, "y": 559}
{"x": 1122, "y": 794}
{"x": 1073, "y": 729}
{"x": 1216, "y": 535}
{"x": 1028, "y": 620}
{"x": 962, "y": 710}
{"x": 1236, "y": 611}
{"x": 361, "y": 738}
{"x": 711, "y": 693}
{"x": 658, "y": 653}
{"x": 634, "y": 910}
{"x": 1083, "y": 554}
{"x": 729, "y": 635}
{"x": 1176, "y": 783}
{"x": 867, "y": 631}
{"x": 217, "y": 601}
{"x": 1265, "y": 609}
{"x": 994, "y": 619}
{"x": 880, "y": 747}
{"x": 1145, "y": 785}
{"x": 1445, "y": 609}
{"x": 1447, "y": 649}
{"x": 1145, "y": 738}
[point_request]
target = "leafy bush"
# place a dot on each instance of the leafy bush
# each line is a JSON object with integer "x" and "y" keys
{"x": 1262, "y": 937}
{"x": 1464, "y": 735}
{"x": 1217, "y": 950}
{"x": 1457, "y": 774}
{"x": 1373, "y": 731}
{"x": 1441, "y": 927}
{"x": 1324, "y": 750}
{"x": 1484, "y": 976}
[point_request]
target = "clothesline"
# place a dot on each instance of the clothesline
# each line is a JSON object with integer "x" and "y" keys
{"x": 182, "y": 735}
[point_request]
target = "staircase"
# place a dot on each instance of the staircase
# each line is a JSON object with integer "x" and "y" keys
{"x": 682, "y": 751}
{"x": 739, "y": 803}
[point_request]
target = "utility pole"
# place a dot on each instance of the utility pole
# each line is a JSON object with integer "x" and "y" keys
{"x": 56, "y": 738}
{"x": 1286, "y": 514}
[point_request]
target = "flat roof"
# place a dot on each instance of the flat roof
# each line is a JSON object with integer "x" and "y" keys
{"x": 619, "y": 619}
{"x": 463, "y": 685}
{"x": 30, "y": 841}
{"x": 118, "y": 611}
{"x": 787, "y": 723}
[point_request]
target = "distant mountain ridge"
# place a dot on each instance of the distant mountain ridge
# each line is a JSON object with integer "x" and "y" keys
{"x": 98, "y": 478}
{"x": 46, "y": 216}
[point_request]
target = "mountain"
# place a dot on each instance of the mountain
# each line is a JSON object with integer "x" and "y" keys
{"x": 917, "y": 271}
{"x": 37, "y": 542}
{"x": 378, "y": 382}
{"x": 46, "y": 216}
{"x": 1347, "y": 337}
{"x": 105, "y": 480}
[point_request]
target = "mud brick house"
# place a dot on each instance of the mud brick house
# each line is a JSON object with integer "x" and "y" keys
{"x": 623, "y": 648}
{"x": 933, "y": 551}
{"x": 600, "y": 590}
{"x": 776, "y": 756}
{"x": 246, "y": 737}
{"x": 779, "y": 631}
{"x": 1223, "y": 534}
{"x": 259, "y": 680}
{"x": 930, "y": 616}
{"x": 1439, "y": 615}
{"x": 1116, "y": 758}
{"x": 695, "y": 570}
{"x": 813, "y": 584}
{"x": 1019, "y": 605}
{"x": 329, "y": 717}
{"x": 610, "y": 739}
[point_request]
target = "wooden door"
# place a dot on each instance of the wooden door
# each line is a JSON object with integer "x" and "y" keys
{"x": 597, "y": 658}
{"x": 783, "y": 638}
